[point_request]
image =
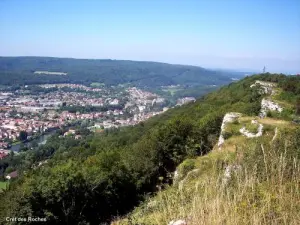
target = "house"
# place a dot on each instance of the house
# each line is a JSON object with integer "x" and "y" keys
{"x": 11, "y": 175}
{"x": 3, "y": 155}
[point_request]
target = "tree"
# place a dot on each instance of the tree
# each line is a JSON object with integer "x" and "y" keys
{"x": 23, "y": 135}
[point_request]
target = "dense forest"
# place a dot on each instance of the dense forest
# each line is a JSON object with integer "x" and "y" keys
{"x": 20, "y": 71}
{"x": 103, "y": 176}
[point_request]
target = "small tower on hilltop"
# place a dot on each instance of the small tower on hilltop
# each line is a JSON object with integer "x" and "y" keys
{"x": 264, "y": 69}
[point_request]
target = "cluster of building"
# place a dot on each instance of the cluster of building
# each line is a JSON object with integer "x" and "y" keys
{"x": 35, "y": 114}
{"x": 25, "y": 110}
{"x": 10, "y": 127}
{"x": 72, "y": 86}
{"x": 142, "y": 101}
{"x": 137, "y": 118}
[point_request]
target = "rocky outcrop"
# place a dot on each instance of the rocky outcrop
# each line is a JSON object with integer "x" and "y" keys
{"x": 265, "y": 87}
{"x": 228, "y": 118}
{"x": 268, "y": 105}
{"x": 178, "y": 222}
{"x": 248, "y": 134}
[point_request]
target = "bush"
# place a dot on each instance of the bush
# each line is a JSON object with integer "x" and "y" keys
{"x": 269, "y": 114}
{"x": 253, "y": 128}
{"x": 227, "y": 134}
{"x": 186, "y": 166}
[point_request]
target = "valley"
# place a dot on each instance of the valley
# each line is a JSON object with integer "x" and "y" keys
{"x": 149, "y": 112}
{"x": 181, "y": 164}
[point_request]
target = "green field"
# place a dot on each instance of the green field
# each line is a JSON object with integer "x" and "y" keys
{"x": 172, "y": 91}
{"x": 96, "y": 84}
{"x": 3, "y": 185}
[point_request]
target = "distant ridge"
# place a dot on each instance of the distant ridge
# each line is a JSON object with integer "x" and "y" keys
{"x": 20, "y": 70}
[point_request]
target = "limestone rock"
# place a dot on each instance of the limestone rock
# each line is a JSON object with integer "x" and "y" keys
{"x": 265, "y": 87}
{"x": 178, "y": 222}
{"x": 228, "y": 118}
{"x": 248, "y": 134}
{"x": 268, "y": 105}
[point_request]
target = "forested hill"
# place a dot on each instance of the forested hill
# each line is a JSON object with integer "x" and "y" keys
{"x": 20, "y": 70}
{"x": 104, "y": 176}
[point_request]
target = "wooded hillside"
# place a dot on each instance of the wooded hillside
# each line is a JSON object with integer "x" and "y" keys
{"x": 20, "y": 70}
{"x": 106, "y": 175}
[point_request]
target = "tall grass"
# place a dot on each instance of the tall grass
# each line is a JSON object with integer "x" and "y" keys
{"x": 265, "y": 190}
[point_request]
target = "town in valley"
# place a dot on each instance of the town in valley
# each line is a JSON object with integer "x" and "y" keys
{"x": 30, "y": 111}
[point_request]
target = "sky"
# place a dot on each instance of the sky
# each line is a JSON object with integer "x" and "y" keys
{"x": 233, "y": 34}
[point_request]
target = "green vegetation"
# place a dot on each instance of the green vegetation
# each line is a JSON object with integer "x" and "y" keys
{"x": 288, "y": 95}
{"x": 93, "y": 180}
{"x": 262, "y": 187}
{"x": 174, "y": 93}
{"x": 252, "y": 128}
{"x": 96, "y": 84}
{"x": 232, "y": 129}
{"x": 3, "y": 185}
{"x": 172, "y": 90}
{"x": 20, "y": 71}
{"x": 263, "y": 190}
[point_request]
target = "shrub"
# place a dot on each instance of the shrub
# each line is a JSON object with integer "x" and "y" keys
{"x": 269, "y": 114}
{"x": 186, "y": 166}
{"x": 227, "y": 134}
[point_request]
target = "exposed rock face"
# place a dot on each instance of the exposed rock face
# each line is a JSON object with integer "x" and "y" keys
{"x": 178, "y": 222}
{"x": 228, "y": 118}
{"x": 248, "y": 134}
{"x": 264, "y": 83}
{"x": 265, "y": 87}
{"x": 268, "y": 105}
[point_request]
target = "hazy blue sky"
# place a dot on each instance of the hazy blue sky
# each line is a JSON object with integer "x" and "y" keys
{"x": 237, "y": 34}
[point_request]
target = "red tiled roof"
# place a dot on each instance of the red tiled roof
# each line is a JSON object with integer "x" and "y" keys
{"x": 3, "y": 155}
{"x": 13, "y": 174}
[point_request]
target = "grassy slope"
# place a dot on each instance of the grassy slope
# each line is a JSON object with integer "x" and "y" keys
{"x": 264, "y": 191}
{"x": 249, "y": 198}
{"x": 3, "y": 185}
{"x": 202, "y": 199}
